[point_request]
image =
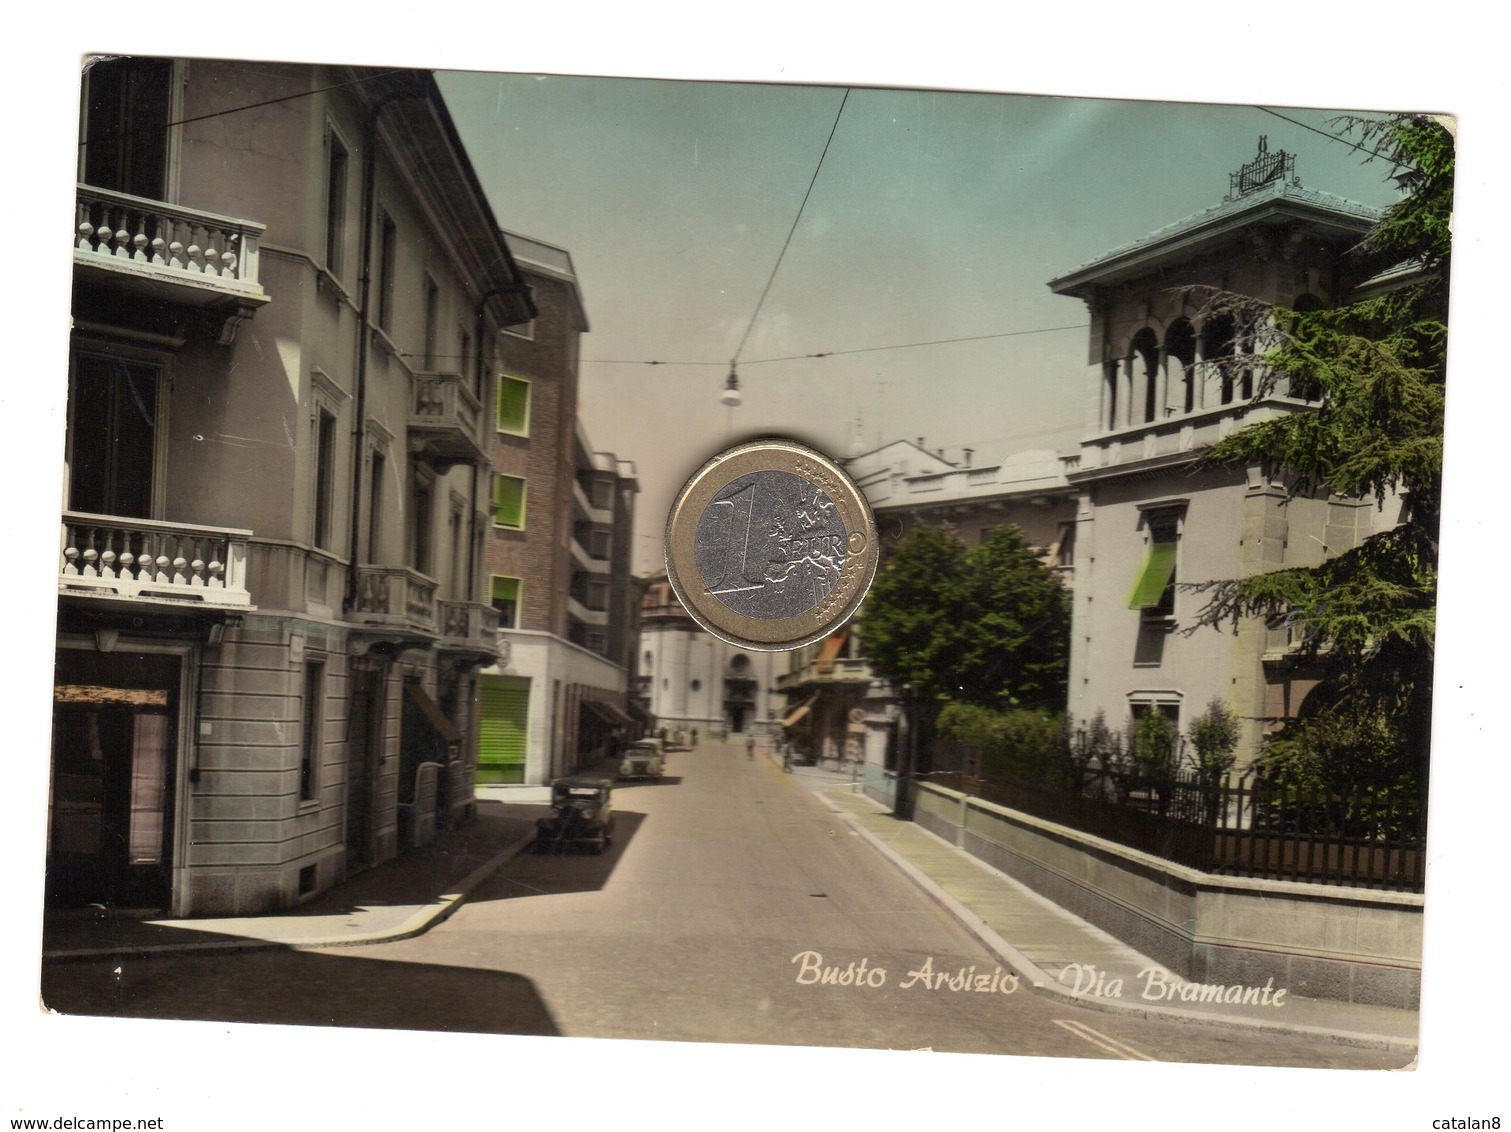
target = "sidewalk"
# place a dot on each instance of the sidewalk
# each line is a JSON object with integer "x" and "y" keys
{"x": 397, "y": 899}
{"x": 1038, "y": 940}
{"x": 1052, "y": 950}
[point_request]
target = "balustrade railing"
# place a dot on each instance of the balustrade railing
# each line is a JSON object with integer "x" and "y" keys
{"x": 143, "y": 557}
{"x": 394, "y": 595}
{"x": 121, "y": 231}
{"x": 468, "y": 621}
{"x": 443, "y": 399}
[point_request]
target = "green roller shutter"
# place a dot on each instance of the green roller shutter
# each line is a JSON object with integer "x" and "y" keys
{"x": 503, "y": 729}
{"x": 1159, "y": 568}
{"x": 509, "y": 502}
{"x": 513, "y": 405}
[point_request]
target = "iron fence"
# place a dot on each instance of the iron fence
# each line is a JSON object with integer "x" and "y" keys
{"x": 1244, "y": 827}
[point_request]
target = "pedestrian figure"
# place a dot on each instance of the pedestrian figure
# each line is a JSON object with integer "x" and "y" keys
{"x": 695, "y": 736}
{"x": 750, "y": 746}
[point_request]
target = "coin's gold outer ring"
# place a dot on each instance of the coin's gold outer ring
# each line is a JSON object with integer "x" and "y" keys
{"x": 783, "y": 633}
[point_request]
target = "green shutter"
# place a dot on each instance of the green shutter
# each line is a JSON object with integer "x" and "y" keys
{"x": 513, "y": 405}
{"x": 504, "y": 715}
{"x": 506, "y": 601}
{"x": 1159, "y": 568}
{"x": 509, "y": 501}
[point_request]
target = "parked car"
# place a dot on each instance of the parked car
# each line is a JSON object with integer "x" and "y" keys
{"x": 643, "y": 758}
{"x": 582, "y": 813}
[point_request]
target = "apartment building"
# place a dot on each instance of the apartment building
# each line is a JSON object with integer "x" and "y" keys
{"x": 271, "y": 604}
{"x": 557, "y": 553}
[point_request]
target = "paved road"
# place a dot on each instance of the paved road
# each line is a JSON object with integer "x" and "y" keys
{"x": 728, "y": 892}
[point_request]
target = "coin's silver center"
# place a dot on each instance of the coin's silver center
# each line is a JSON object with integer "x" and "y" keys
{"x": 770, "y": 545}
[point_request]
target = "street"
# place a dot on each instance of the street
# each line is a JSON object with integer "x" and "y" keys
{"x": 732, "y": 907}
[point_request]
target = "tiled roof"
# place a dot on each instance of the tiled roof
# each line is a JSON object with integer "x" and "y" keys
{"x": 1233, "y": 207}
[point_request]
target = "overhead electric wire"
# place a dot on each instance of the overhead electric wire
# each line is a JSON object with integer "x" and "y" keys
{"x": 782, "y": 254}
{"x": 111, "y": 135}
{"x": 1339, "y": 138}
{"x": 837, "y": 353}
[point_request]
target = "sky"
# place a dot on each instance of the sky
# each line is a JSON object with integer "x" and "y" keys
{"x": 907, "y": 234}
{"x": 1394, "y": 54}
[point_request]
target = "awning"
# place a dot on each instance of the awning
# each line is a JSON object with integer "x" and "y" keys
{"x": 1159, "y": 569}
{"x": 433, "y": 713}
{"x": 611, "y": 714}
{"x": 831, "y": 649}
{"x": 796, "y": 715}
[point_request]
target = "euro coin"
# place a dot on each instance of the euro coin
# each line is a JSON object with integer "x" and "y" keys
{"x": 770, "y": 545}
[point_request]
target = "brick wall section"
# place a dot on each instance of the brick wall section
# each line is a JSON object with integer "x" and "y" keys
{"x": 538, "y": 555}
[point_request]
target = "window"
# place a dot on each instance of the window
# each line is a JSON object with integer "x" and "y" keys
{"x": 1065, "y": 547}
{"x": 506, "y": 601}
{"x": 1304, "y": 386}
{"x": 514, "y": 405}
{"x": 422, "y": 522}
{"x": 458, "y": 548}
{"x": 521, "y": 330}
{"x": 509, "y": 502}
{"x": 1154, "y": 591}
{"x": 1145, "y": 363}
{"x": 464, "y": 352}
{"x": 325, "y": 472}
{"x": 128, "y": 106}
{"x": 600, "y": 493}
{"x": 597, "y": 595}
{"x": 432, "y": 306}
{"x": 375, "y": 507}
{"x": 596, "y": 541}
{"x": 1180, "y": 359}
{"x": 388, "y": 239}
{"x": 113, "y": 432}
{"x": 1217, "y": 349}
{"x": 1141, "y": 706}
{"x": 335, "y": 204}
{"x": 313, "y": 711}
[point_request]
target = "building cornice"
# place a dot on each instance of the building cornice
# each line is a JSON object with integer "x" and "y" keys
{"x": 1282, "y": 202}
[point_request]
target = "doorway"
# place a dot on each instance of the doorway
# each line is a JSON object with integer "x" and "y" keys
{"x": 364, "y": 753}
{"x": 114, "y": 772}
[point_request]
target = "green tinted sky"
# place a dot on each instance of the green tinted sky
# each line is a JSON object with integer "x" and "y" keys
{"x": 934, "y": 216}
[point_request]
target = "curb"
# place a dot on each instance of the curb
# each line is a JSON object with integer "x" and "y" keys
{"x": 420, "y": 922}
{"x": 1040, "y": 981}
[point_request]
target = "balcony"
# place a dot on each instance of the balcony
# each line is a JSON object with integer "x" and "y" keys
{"x": 110, "y": 557}
{"x": 444, "y": 415}
{"x": 168, "y": 252}
{"x": 841, "y": 670}
{"x": 395, "y": 597}
{"x": 586, "y": 614}
{"x": 593, "y": 513}
{"x": 583, "y": 560}
{"x": 468, "y": 626}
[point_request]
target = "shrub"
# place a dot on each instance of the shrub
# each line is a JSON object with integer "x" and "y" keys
{"x": 1214, "y": 738}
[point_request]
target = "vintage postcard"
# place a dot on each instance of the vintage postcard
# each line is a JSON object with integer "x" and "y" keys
{"x": 911, "y": 575}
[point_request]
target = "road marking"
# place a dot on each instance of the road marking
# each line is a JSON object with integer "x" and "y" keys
{"x": 1102, "y": 1041}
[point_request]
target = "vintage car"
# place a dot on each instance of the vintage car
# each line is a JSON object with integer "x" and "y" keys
{"x": 582, "y": 813}
{"x": 643, "y": 759}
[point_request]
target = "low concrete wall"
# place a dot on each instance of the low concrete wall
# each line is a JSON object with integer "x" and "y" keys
{"x": 1319, "y": 941}
{"x": 879, "y": 785}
